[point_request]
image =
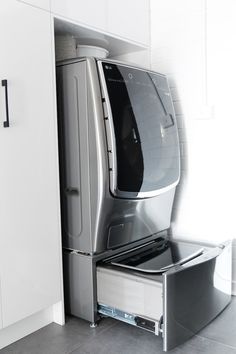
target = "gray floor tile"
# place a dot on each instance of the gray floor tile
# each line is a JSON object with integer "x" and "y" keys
{"x": 200, "y": 345}
{"x": 125, "y": 339}
{"x": 223, "y": 328}
{"x": 54, "y": 339}
{"x": 122, "y": 339}
{"x": 114, "y": 337}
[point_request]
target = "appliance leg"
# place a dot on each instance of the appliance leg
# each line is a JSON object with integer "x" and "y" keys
{"x": 93, "y": 325}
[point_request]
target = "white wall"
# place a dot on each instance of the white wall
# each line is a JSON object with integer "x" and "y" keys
{"x": 193, "y": 42}
{"x": 141, "y": 58}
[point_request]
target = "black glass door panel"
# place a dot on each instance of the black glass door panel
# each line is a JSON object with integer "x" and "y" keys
{"x": 145, "y": 132}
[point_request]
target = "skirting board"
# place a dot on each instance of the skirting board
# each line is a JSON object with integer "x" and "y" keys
{"x": 29, "y": 325}
{"x": 234, "y": 288}
{"x": 234, "y": 268}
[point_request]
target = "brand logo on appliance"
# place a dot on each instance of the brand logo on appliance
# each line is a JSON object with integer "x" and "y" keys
{"x": 130, "y": 76}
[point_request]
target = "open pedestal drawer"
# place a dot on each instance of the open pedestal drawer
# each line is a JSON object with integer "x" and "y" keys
{"x": 174, "y": 292}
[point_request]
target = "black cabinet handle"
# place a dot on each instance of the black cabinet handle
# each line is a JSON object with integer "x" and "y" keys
{"x": 6, "y": 123}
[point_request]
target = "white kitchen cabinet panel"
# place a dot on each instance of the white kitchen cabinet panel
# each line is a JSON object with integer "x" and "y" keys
{"x": 0, "y": 306}
{"x": 90, "y": 12}
{"x": 129, "y": 19}
{"x": 43, "y": 4}
{"x": 30, "y": 255}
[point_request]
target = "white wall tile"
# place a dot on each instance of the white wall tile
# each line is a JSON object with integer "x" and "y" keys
{"x": 234, "y": 251}
{"x": 179, "y": 38}
{"x": 175, "y": 94}
{"x": 178, "y": 107}
{"x": 180, "y": 121}
{"x": 141, "y": 58}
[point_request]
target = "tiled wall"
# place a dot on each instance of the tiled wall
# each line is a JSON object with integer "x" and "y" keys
{"x": 234, "y": 267}
{"x": 192, "y": 42}
{"x": 141, "y": 58}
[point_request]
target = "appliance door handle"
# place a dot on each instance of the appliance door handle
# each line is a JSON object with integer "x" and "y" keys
{"x": 194, "y": 293}
{"x": 72, "y": 190}
{"x": 6, "y": 124}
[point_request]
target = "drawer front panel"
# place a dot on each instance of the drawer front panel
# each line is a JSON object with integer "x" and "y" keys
{"x": 194, "y": 294}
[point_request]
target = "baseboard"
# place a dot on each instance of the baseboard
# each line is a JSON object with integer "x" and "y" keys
{"x": 25, "y": 327}
{"x": 234, "y": 288}
{"x": 234, "y": 267}
{"x": 59, "y": 313}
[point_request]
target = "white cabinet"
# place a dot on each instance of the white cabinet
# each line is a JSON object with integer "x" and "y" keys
{"x": 129, "y": 19}
{"x": 30, "y": 253}
{"x": 0, "y": 305}
{"x": 90, "y": 12}
{"x": 43, "y": 4}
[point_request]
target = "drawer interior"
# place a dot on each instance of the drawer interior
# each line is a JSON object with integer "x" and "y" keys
{"x": 131, "y": 284}
{"x": 130, "y": 292}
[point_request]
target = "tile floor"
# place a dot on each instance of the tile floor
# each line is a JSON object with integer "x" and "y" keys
{"x": 113, "y": 337}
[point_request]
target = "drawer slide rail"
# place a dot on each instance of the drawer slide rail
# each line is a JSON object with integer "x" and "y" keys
{"x": 135, "y": 320}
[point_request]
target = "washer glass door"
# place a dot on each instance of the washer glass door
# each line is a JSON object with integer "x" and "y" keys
{"x": 145, "y": 131}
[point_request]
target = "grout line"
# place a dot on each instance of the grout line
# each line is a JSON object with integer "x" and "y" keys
{"x": 150, "y": 35}
{"x": 215, "y": 341}
{"x": 97, "y": 335}
{"x": 116, "y": 322}
{"x": 206, "y": 49}
{"x": 35, "y": 6}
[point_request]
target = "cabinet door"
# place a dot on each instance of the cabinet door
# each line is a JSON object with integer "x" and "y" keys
{"x": 29, "y": 204}
{"x": 129, "y": 19}
{"x": 43, "y": 4}
{"x": 0, "y": 305}
{"x": 90, "y": 12}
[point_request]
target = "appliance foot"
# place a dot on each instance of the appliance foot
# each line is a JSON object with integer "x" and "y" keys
{"x": 93, "y": 325}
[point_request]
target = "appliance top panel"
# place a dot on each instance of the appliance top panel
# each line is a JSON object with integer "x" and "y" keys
{"x": 112, "y": 61}
{"x": 141, "y": 129}
{"x": 158, "y": 256}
